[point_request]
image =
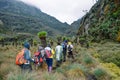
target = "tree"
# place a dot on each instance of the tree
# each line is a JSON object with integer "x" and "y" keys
{"x": 42, "y": 36}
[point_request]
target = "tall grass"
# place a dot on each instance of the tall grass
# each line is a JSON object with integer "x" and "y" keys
{"x": 75, "y": 70}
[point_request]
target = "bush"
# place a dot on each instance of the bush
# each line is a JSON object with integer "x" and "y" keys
{"x": 111, "y": 57}
{"x": 74, "y": 73}
{"x": 99, "y": 72}
{"x": 113, "y": 70}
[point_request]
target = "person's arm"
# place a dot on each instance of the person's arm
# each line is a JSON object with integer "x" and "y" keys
{"x": 61, "y": 49}
{"x": 72, "y": 46}
{"x": 53, "y": 52}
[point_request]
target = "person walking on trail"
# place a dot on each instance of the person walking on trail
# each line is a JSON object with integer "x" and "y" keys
{"x": 27, "y": 57}
{"x": 39, "y": 57}
{"x": 70, "y": 50}
{"x": 58, "y": 52}
{"x": 49, "y": 57}
{"x": 64, "y": 46}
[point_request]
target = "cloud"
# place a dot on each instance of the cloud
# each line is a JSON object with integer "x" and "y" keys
{"x": 64, "y": 10}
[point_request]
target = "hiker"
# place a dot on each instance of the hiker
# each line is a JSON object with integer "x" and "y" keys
{"x": 39, "y": 57}
{"x": 64, "y": 46}
{"x": 58, "y": 52}
{"x": 49, "y": 57}
{"x": 70, "y": 50}
{"x": 27, "y": 57}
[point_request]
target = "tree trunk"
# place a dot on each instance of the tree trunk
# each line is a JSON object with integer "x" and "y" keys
{"x": 43, "y": 42}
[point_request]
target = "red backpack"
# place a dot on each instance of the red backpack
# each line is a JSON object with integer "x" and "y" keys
{"x": 38, "y": 57}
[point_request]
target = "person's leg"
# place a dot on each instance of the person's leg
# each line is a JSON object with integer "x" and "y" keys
{"x": 47, "y": 61}
{"x": 64, "y": 55}
{"x": 50, "y": 64}
{"x": 69, "y": 54}
{"x": 58, "y": 63}
{"x": 72, "y": 55}
{"x": 27, "y": 67}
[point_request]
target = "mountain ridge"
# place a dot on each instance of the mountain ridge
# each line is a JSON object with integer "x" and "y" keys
{"x": 10, "y": 9}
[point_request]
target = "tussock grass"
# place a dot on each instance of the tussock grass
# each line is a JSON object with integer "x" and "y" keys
{"x": 86, "y": 61}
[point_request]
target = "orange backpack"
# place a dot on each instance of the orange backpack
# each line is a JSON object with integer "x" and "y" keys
{"x": 20, "y": 58}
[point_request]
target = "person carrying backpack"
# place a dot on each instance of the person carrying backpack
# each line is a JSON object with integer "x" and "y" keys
{"x": 39, "y": 57}
{"x": 49, "y": 57}
{"x": 58, "y": 52}
{"x": 64, "y": 45}
{"x": 27, "y": 58}
{"x": 70, "y": 50}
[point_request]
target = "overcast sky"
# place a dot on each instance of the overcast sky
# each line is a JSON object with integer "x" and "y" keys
{"x": 64, "y": 10}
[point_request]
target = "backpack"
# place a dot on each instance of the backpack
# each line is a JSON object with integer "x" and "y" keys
{"x": 20, "y": 58}
{"x": 48, "y": 53}
{"x": 38, "y": 57}
{"x": 69, "y": 48}
{"x": 64, "y": 45}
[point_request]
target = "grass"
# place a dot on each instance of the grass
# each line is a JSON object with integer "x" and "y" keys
{"x": 99, "y": 72}
{"x": 75, "y": 70}
{"x": 87, "y": 60}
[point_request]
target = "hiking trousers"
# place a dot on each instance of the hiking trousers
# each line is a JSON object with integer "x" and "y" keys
{"x": 64, "y": 55}
{"x": 70, "y": 55}
{"x": 26, "y": 67}
{"x": 49, "y": 62}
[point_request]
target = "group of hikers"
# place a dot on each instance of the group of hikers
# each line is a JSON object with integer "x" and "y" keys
{"x": 44, "y": 54}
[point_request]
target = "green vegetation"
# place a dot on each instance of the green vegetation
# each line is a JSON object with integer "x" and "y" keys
{"x": 99, "y": 72}
{"x": 97, "y": 55}
{"x": 103, "y": 23}
{"x": 20, "y": 17}
{"x": 42, "y": 34}
{"x": 87, "y": 62}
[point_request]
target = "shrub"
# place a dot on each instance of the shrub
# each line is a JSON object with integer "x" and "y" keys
{"x": 74, "y": 73}
{"x": 99, "y": 72}
{"x": 113, "y": 70}
{"x": 111, "y": 57}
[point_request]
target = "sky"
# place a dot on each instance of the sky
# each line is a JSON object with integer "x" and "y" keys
{"x": 63, "y": 10}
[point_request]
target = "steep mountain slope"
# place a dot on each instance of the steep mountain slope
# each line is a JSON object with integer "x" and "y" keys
{"x": 74, "y": 27}
{"x": 102, "y": 21}
{"x": 20, "y": 17}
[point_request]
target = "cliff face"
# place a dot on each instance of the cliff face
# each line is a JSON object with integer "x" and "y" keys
{"x": 102, "y": 21}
